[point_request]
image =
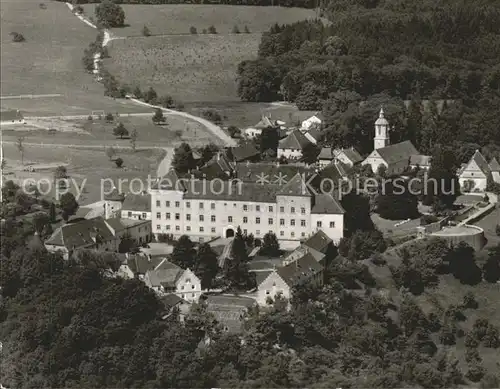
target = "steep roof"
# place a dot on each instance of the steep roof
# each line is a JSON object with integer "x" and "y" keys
{"x": 300, "y": 270}
{"x": 230, "y": 301}
{"x": 171, "y": 300}
{"x": 10, "y": 115}
{"x": 315, "y": 133}
{"x": 397, "y": 152}
{"x": 381, "y": 121}
{"x": 219, "y": 166}
{"x": 326, "y": 153}
{"x": 170, "y": 181}
{"x": 335, "y": 171}
{"x": 264, "y": 123}
{"x": 295, "y": 187}
{"x": 118, "y": 224}
{"x": 81, "y": 234}
{"x": 480, "y": 161}
{"x": 352, "y": 154}
{"x": 165, "y": 274}
{"x": 244, "y": 151}
{"x": 325, "y": 204}
{"x": 137, "y": 202}
{"x": 319, "y": 241}
{"x": 140, "y": 264}
{"x": 295, "y": 140}
{"x": 494, "y": 165}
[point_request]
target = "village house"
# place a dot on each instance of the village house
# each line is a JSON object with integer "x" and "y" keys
{"x": 10, "y": 117}
{"x": 293, "y": 145}
{"x": 312, "y": 121}
{"x": 168, "y": 278}
{"x": 420, "y": 162}
{"x": 348, "y": 156}
{"x": 173, "y": 302}
{"x": 97, "y": 234}
{"x": 319, "y": 246}
{"x": 113, "y": 203}
{"x": 205, "y": 210}
{"x": 283, "y": 279}
{"x": 396, "y": 157}
{"x": 475, "y": 174}
{"x": 245, "y": 151}
{"x": 264, "y": 123}
{"x": 136, "y": 206}
{"x": 314, "y": 135}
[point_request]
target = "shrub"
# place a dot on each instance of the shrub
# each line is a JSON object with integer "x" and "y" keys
{"x": 212, "y": 30}
{"x": 378, "y": 260}
{"x": 470, "y": 301}
{"x": 192, "y": 30}
{"x": 90, "y": 118}
{"x": 476, "y": 371}
{"x": 146, "y": 31}
{"x": 247, "y": 31}
{"x": 17, "y": 37}
{"x": 236, "y": 30}
{"x": 109, "y": 117}
{"x": 119, "y": 162}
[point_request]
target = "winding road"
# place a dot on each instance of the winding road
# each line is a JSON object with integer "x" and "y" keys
{"x": 214, "y": 129}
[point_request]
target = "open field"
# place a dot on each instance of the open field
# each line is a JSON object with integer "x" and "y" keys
{"x": 242, "y": 114}
{"x": 488, "y": 224}
{"x": 178, "y": 18}
{"x": 189, "y": 68}
{"x": 82, "y": 164}
{"x": 49, "y": 61}
{"x": 99, "y": 132}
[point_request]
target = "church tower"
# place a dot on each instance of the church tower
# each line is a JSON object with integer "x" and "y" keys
{"x": 381, "y": 131}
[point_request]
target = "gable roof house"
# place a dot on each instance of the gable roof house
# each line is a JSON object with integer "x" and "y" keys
{"x": 90, "y": 234}
{"x": 314, "y": 135}
{"x": 283, "y": 279}
{"x": 316, "y": 119}
{"x": 136, "y": 206}
{"x": 220, "y": 166}
{"x": 230, "y": 311}
{"x": 265, "y": 122}
{"x": 476, "y": 173}
{"x": 168, "y": 278}
{"x": 348, "y": 156}
{"x": 292, "y": 146}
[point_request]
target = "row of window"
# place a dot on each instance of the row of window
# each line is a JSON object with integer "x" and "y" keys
{"x": 245, "y": 206}
{"x": 213, "y": 231}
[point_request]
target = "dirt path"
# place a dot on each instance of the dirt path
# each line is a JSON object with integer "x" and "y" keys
{"x": 214, "y": 129}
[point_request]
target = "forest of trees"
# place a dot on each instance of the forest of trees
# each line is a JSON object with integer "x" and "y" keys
{"x": 386, "y": 52}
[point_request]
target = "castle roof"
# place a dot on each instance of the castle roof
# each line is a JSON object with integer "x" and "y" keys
{"x": 381, "y": 121}
{"x": 295, "y": 187}
{"x": 137, "y": 202}
{"x": 81, "y": 234}
{"x": 397, "y": 152}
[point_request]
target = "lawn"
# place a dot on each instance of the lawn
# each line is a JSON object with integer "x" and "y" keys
{"x": 48, "y": 61}
{"x": 99, "y": 132}
{"x": 178, "y": 18}
{"x": 82, "y": 164}
{"x": 188, "y": 68}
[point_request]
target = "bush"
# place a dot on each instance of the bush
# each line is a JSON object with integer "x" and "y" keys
{"x": 146, "y": 31}
{"x": 192, "y": 30}
{"x": 110, "y": 14}
{"x": 476, "y": 371}
{"x": 235, "y": 30}
{"x": 17, "y": 37}
{"x": 109, "y": 117}
{"x": 378, "y": 260}
{"x": 247, "y": 31}
{"x": 119, "y": 162}
{"x": 212, "y": 30}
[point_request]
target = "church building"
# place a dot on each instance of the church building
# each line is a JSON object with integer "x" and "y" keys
{"x": 396, "y": 157}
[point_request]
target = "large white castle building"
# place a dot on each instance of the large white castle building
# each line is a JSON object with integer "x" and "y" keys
{"x": 206, "y": 209}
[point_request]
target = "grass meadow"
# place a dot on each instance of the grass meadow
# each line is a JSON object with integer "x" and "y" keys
{"x": 48, "y": 61}
{"x": 169, "y": 19}
{"x": 189, "y": 68}
{"x": 82, "y": 164}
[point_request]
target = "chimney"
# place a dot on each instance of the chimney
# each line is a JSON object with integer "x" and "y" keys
{"x": 248, "y": 162}
{"x": 218, "y": 156}
{"x": 278, "y": 163}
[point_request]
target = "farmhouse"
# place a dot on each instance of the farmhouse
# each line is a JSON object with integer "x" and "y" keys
{"x": 11, "y": 117}
{"x": 168, "y": 278}
{"x": 244, "y": 152}
{"x": 282, "y": 279}
{"x": 312, "y": 121}
{"x": 97, "y": 234}
{"x": 349, "y": 156}
{"x": 396, "y": 158}
{"x": 474, "y": 175}
{"x": 204, "y": 209}
{"x": 293, "y": 145}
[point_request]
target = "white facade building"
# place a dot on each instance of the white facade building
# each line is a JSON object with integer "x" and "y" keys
{"x": 205, "y": 210}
